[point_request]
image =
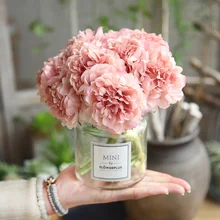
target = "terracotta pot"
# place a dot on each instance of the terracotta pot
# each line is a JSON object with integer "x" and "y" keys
{"x": 185, "y": 158}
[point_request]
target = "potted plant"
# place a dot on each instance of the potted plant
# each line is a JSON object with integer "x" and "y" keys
{"x": 41, "y": 127}
{"x": 178, "y": 151}
{"x": 9, "y": 172}
{"x": 214, "y": 154}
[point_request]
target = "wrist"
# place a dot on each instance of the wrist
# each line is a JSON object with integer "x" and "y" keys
{"x": 66, "y": 190}
{"x": 61, "y": 192}
{"x": 48, "y": 205}
{"x": 54, "y": 203}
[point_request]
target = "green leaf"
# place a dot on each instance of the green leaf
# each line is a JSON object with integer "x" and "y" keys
{"x": 128, "y": 15}
{"x": 35, "y": 167}
{"x": 40, "y": 29}
{"x": 104, "y": 20}
{"x": 173, "y": 2}
{"x": 147, "y": 14}
{"x": 133, "y": 8}
{"x": 106, "y": 28}
{"x": 39, "y": 48}
{"x": 59, "y": 149}
{"x": 44, "y": 123}
{"x": 105, "y": 23}
{"x": 63, "y": 2}
{"x": 142, "y": 4}
{"x": 132, "y": 17}
{"x": 8, "y": 169}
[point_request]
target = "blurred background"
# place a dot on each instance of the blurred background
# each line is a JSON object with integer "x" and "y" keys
{"x": 33, "y": 143}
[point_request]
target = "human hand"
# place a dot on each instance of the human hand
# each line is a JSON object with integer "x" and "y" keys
{"x": 73, "y": 193}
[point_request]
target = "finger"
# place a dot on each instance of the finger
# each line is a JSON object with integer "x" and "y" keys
{"x": 137, "y": 193}
{"x": 170, "y": 179}
{"x": 155, "y": 173}
{"x": 160, "y": 177}
{"x": 176, "y": 185}
{"x": 183, "y": 183}
{"x": 156, "y": 179}
{"x": 171, "y": 187}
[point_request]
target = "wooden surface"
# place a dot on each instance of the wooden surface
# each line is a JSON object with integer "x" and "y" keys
{"x": 55, "y": 217}
{"x": 209, "y": 211}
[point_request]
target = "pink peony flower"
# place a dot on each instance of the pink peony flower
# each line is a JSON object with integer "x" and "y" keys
{"x": 86, "y": 50}
{"x": 110, "y": 79}
{"x": 129, "y": 49}
{"x": 48, "y": 75}
{"x": 146, "y": 38}
{"x": 91, "y": 54}
{"x": 162, "y": 81}
{"x": 55, "y": 90}
{"x": 135, "y": 48}
{"x": 83, "y": 36}
{"x": 114, "y": 101}
{"x": 148, "y": 58}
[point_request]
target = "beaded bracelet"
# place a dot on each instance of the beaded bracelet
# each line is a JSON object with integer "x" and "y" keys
{"x": 40, "y": 199}
{"x": 53, "y": 197}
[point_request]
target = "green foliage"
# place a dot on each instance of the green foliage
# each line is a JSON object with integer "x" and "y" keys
{"x": 39, "y": 48}
{"x": 63, "y": 2}
{"x": 183, "y": 29}
{"x": 57, "y": 152}
{"x": 40, "y": 29}
{"x": 105, "y": 23}
{"x": 8, "y": 170}
{"x": 44, "y": 123}
{"x": 214, "y": 153}
{"x": 36, "y": 167}
{"x": 59, "y": 149}
{"x": 147, "y": 14}
{"x": 133, "y": 8}
{"x": 127, "y": 14}
{"x": 132, "y": 11}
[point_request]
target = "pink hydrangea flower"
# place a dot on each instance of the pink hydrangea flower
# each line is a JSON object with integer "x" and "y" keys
{"x": 114, "y": 101}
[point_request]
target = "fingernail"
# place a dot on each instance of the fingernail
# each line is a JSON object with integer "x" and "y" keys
{"x": 167, "y": 193}
{"x": 189, "y": 191}
{"x": 183, "y": 194}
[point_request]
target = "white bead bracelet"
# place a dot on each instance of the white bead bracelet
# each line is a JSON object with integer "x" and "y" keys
{"x": 53, "y": 197}
{"x": 40, "y": 199}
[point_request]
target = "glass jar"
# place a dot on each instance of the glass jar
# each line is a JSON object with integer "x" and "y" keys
{"x": 110, "y": 161}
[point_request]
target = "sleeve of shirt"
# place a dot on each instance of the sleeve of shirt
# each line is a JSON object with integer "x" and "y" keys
{"x": 18, "y": 200}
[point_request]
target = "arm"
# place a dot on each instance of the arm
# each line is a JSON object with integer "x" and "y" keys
{"x": 74, "y": 193}
{"x": 18, "y": 198}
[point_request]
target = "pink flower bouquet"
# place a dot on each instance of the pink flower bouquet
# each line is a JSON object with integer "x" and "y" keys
{"x": 110, "y": 81}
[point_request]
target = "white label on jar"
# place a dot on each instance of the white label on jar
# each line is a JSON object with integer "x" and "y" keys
{"x": 111, "y": 162}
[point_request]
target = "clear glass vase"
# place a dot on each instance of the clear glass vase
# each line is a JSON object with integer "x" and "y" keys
{"x": 110, "y": 161}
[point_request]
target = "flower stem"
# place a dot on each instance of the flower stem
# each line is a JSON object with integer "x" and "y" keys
{"x": 137, "y": 155}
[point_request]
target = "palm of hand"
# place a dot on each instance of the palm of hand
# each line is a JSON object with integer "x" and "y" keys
{"x": 73, "y": 193}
